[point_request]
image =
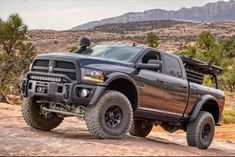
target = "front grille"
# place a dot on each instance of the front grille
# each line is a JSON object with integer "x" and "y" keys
{"x": 40, "y": 70}
{"x": 56, "y": 66}
{"x": 64, "y": 65}
{"x": 41, "y": 63}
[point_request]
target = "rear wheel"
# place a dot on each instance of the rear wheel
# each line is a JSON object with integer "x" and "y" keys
{"x": 140, "y": 128}
{"x": 200, "y": 133}
{"x": 111, "y": 117}
{"x": 38, "y": 119}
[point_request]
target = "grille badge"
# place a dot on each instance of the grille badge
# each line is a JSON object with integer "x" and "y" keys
{"x": 50, "y": 68}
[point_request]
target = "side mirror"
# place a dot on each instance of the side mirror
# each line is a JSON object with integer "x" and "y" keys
{"x": 151, "y": 65}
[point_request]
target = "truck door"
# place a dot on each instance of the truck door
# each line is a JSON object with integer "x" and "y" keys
{"x": 150, "y": 84}
{"x": 176, "y": 88}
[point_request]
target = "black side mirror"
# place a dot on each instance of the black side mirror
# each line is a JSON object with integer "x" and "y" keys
{"x": 151, "y": 65}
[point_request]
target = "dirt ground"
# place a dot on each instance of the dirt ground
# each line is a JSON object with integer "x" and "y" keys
{"x": 72, "y": 138}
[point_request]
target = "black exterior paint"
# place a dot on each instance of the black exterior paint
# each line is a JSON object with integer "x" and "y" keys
{"x": 161, "y": 97}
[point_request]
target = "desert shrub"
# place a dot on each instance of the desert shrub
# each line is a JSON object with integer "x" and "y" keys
{"x": 228, "y": 46}
{"x": 73, "y": 48}
{"x": 229, "y": 116}
{"x": 152, "y": 40}
{"x": 15, "y": 55}
{"x": 215, "y": 52}
{"x": 228, "y": 78}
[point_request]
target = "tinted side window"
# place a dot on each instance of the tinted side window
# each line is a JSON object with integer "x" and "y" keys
{"x": 150, "y": 56}
{"x": 172, "y": 66}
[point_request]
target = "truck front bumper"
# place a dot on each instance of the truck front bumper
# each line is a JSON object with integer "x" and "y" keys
{"x": 61, "y": 92}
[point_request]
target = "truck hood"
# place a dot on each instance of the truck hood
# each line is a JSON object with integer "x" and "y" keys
{"x": 90, "y": 62}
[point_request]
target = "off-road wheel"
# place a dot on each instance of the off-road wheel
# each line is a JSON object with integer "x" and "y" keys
{"x": 200, "y": 133}
{"x": 140, "y": 128}
{"x": 111, "y": 117}
{"x": 35, "y": 118}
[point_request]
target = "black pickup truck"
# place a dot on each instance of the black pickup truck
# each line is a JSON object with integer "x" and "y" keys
{"x": 121, "y": 88}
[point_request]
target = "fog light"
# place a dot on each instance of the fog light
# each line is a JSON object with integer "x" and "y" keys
{"x": 84, "y": 93}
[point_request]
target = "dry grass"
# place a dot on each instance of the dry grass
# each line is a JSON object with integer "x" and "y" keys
{"x": 229, "y": 116}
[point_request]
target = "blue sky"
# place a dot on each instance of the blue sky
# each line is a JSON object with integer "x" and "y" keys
{"x": 64, "y": 14}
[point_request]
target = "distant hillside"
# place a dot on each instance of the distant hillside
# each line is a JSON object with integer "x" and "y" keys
{"x": 211, "y": 12}
{"x": 136, "y": 26}
{"x": 173, "y": 38}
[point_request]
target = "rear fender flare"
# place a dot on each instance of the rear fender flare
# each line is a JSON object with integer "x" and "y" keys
{"x": 199, "y": 106}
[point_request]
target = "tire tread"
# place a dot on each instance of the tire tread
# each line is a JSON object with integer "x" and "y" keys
{"x": 32, "y": 121}
{"x": 92, "y": 116}
{"x": 193, "y": 130}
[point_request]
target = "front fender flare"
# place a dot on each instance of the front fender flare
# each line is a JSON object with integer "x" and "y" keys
{"x": 111, "y": 77}
{"x": 118, "y": 75}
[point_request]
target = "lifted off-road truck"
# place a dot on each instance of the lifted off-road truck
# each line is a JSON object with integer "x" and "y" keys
{"x": 122, "y": 88}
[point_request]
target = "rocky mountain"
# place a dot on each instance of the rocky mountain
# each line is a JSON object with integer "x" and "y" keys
{"x": 136, "y": 26}
{"x": 211, "y": 12}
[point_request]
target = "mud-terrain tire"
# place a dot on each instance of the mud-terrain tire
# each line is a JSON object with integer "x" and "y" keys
{"x": 140, "y": 128}
{"x": 200, "y": 133}
{"x": 33, "y": 117}
{"x": 111, "y": 117}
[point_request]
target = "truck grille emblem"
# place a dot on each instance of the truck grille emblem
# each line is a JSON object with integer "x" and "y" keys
{"x": 50, "y": 68}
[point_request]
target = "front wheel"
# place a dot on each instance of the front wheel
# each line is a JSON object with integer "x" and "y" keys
{"x": 36, "y": 118}
{"x": 111, "y": 117}
{"x": 200, "y": 133}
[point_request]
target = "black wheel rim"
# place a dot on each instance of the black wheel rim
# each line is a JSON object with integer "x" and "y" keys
{"x": 206, "y": 130}
{"x": 113, "y": 116}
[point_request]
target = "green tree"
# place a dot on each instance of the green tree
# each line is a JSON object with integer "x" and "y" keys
{"x": 206, "y": 41}
{"x": 207, "y": 49}
{"x": 190, "y": 50}
{"x": 218, "y": 53}
{"x": 228, "y": 46}
{"x": 15, "y": 55}
{"x": 152, "y": 40}
{"x": 228, "y": 79}
{"x": 211, "y": 51}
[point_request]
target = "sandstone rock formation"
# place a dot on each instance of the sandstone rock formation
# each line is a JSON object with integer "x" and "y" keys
{"x": 211, "y": 12}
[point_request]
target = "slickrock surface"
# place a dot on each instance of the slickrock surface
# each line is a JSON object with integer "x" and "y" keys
{"x": 72, "y": 138}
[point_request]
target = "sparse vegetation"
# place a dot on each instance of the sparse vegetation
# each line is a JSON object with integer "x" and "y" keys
{"x": 229, "y": 116}
{"x": 218, "y": 53}
{"x": 15, "y": 55}
{"x": 228, "y": 46}
{"x": 152, "y": 40}
{"x": 137, "y": 26}
{"x": 73, "y": 48}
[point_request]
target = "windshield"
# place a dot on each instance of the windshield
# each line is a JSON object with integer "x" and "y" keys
{"x": 122, "y": 53}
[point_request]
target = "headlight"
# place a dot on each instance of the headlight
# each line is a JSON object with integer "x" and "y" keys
{"x": 92, "y": 75}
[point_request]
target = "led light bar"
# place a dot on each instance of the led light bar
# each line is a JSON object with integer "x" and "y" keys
{"x": 45, "y": 78}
